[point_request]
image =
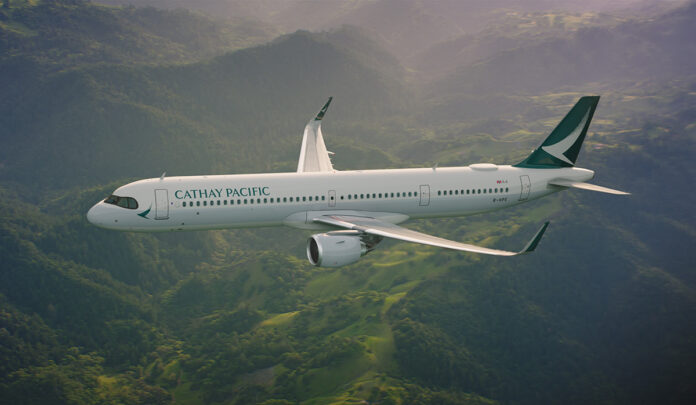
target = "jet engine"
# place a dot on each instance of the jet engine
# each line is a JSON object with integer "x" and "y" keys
{"x": 339, "y": 248}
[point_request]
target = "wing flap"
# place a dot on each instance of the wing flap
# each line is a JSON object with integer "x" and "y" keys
{"x": 374, "y": 226}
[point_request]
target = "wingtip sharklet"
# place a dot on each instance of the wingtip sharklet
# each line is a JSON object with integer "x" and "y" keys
{"x": 535, "y": 240}
{"x": 321, "y": 113}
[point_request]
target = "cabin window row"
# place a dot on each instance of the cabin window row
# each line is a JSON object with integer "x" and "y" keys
{"x": 470, "y": 191}
{"x": 376, "y": 196}
{"x": 249, "y": 201}
{"x": 272, "y": 200}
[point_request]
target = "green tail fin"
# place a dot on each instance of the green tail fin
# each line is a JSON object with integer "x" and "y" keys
{"x": 561, "y": 148}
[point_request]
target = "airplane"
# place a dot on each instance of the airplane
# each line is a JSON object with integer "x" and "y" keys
{"x": 354, "y": 210}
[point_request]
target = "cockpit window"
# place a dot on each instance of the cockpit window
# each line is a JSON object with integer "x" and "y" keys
{"x": 125, "y": 202}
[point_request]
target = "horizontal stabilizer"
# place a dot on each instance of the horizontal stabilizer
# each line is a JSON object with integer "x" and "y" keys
{"x": 586, "y": 186}
{"x": 373, "y": 226}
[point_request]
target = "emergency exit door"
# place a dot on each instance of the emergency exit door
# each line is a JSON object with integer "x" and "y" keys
{"x": 424, "y": 195}
{"x": 332, "y": 198}
{"x": 526, "y": 187}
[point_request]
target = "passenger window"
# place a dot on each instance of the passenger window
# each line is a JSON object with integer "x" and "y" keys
{"x": 265, "y": 200}
{"x": 205, "y": 203}
{"x": 285, "y": 199}
{"x": 362, "y": 196}
{"x": 239, "y": 202}
{"x": 198, "y": 203}
{"x": 310, "y": 198}
{"x": 218, "y": 202}
{"x": 245, "y": 201}
{"x": 183, "y": 204}
{"x": 304, "y": 198}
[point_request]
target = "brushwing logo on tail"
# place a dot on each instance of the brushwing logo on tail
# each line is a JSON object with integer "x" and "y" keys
{"x": 558, "y": 149}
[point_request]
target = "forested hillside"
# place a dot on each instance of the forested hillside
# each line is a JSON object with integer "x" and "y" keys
{"x": 94, "y": 96}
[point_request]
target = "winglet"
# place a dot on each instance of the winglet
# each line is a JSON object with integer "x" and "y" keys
{"x": 313, "y": 155}
{"x": 535, "y": 240}
{"x": 321, "y": 113}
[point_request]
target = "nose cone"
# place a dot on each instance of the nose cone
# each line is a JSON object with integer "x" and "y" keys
{"x": 93, "y": 215}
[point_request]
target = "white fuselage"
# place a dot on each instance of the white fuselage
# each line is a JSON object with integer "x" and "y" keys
{"x": 294, "y": 199}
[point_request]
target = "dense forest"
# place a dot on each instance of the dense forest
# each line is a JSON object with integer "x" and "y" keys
{"x": 94, "y": 96}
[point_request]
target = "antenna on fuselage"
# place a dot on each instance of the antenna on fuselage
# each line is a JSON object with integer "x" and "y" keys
{"x": 162, "y": 176}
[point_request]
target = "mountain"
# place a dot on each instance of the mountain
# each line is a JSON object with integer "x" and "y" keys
{"x": 653, "y": 48}
{"x": 168, "y": 117}
{"x": 70, "y": 33}
{"x": 507, "y": 31}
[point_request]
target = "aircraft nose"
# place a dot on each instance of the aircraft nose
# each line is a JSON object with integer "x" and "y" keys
{"x": 93, "y": 214}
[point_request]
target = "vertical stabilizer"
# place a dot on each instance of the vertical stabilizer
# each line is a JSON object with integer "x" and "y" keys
{"x": 562, "y": 146}
{"x": 313, "y": 156}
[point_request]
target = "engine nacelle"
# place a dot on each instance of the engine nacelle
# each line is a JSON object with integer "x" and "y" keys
{"x": 335, "y": 249}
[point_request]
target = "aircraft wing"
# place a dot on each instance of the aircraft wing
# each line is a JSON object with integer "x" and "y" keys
{"x": 313, "y": 156}
{"x": 374, "y": 226}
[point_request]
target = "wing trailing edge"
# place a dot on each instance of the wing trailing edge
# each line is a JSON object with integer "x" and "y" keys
{"x": 376, "y": 227}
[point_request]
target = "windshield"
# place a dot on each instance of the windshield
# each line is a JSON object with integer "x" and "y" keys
{"x": 124, "y": 202}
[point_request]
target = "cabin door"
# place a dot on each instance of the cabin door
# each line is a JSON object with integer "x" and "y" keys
{"x": 424, "y": 195}
{"x": 161, "y": 204}
{"x": 526, "y": 187}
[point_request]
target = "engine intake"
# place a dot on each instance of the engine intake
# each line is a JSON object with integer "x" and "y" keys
{"x": 336, "y": 249}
